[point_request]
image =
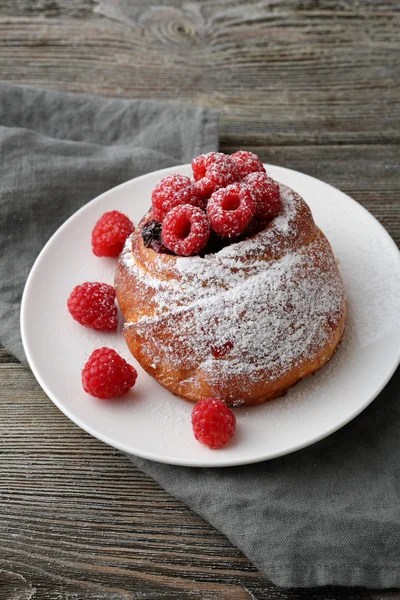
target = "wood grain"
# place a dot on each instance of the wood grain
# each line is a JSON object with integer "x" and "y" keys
{"x": 308, "y": 84}
{"x": 280, "y": 72}
{"x": 79, "y": 521}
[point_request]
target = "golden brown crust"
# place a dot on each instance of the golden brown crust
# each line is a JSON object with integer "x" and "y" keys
{"x": 277, "y": 298}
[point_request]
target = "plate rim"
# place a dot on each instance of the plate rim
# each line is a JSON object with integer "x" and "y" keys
{"x": 162, "y": 458}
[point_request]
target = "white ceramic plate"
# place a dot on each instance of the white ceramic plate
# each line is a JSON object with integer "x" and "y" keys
{"x": 152, "y": 423}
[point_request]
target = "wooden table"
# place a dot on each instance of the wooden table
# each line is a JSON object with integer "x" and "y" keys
{"x": 308, "y": 84}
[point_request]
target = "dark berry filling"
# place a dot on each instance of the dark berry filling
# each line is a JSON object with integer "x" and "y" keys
{"x": 151, "y": 232}
{"x": 151, "y": 235}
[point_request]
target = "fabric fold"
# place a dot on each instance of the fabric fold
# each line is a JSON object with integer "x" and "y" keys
{"x": 58, "y": 151}
{"x": 327, "y": 515}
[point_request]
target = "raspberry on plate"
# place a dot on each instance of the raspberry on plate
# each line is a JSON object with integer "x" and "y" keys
{"x": 110, "y": 233}
{"x": 185, "y": 230}
{"x": 92, "y": 305}
{"x": 230, "y": 210}
{"x": 213, "y": 171}
{"x": 107, "y": 375}
{"x": 247, "y": 162}
{"x": 266, "y": 195}
{"x": 172, "y": 191}
{"x": 213, "y": 423}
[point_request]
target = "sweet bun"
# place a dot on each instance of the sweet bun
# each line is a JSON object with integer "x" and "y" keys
{"x": 242, "y": 324}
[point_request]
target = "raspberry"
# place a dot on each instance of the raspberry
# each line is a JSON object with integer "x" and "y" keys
{"x": 205, "y": 188}
{"x": 230, "y": 210}
{"x": 247, "y": 163}
{"x": 110, "y": 233}
{"x": 213, "y": 423}
{"x": 266, "y": 195}
{"x": 107, "y": 375}
{"x": 172, "y": 191}
{"x": 92, "y": 305}
{"x": 213, "y": 171}
{"x": 185, "y": 230}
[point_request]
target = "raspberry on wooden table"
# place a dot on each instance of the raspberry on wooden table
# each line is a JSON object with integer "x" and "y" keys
{"x": 266, "y": 195}
{"x": 185, "y": 230}
{"x": 213, "y": 423}
{"x": 247, "y": 162}
{"x": 110, "y": 233}
{"x": 213, "y": 171}
{"x": 230, "y": 210}
{"x": 92, "y": 305}
{"x": 107, "y": 375}
{"x": 172, "y": 191}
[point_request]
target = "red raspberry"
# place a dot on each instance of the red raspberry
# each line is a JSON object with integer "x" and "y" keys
{"x": 92, "y": 305}
{"x": 213, "y": 171}
{"x": 107, "y": 375}
{"x": 172, "y": 191}
{"x": 185, "y": 230}
{"x": 110, "y": 233}
{"x": 266, "y": 195}
{"x": 205, "y": 188}
{"x": 247, "y": 163}
{"x": 213, "y": 423}
{"x": 230, "y": 210}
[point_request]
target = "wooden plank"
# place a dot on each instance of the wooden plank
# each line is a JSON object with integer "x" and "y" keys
{"x": 278, "y": 76}
{"x": 244, "y": 9}
{"x": 79, "y": 521}
{"x": 47, "y": 8}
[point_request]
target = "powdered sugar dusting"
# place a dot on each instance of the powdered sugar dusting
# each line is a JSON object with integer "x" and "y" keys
{"x": 270, "y": 314}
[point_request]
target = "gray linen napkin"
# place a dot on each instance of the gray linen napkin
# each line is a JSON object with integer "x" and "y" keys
{"x": 58, "y": 151}
{"x": 329, "y": 514}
